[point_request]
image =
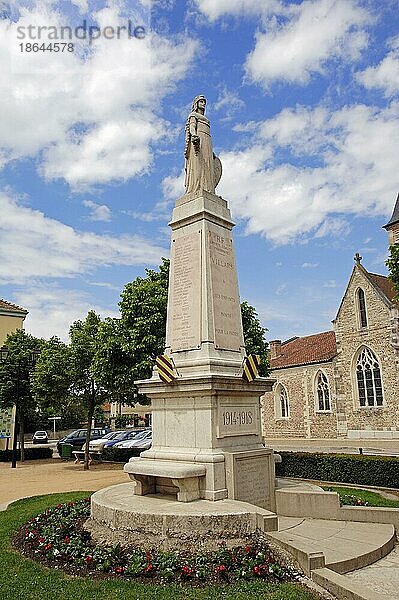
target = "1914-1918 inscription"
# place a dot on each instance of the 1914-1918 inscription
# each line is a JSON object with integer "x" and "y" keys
{"x": 237, "y": 420}
{"x": 185, "y": 290}
{"x": 226, "y": 303}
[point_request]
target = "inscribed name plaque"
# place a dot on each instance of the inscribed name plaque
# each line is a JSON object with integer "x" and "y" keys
{"x": 237, "y": 420}
{"x": 250, "y": 476}
{"x": 226, "y": 302}
{"x": 185, "y": 293}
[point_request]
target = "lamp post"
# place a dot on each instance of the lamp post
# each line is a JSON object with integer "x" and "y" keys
{"x": 29, "y": 363}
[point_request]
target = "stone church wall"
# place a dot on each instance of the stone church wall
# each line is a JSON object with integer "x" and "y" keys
{"x": 304, "y": 419}
{"x": 380, "y": 331}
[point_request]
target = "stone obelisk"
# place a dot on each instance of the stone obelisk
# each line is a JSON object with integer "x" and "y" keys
{"x": 207, "y": 439}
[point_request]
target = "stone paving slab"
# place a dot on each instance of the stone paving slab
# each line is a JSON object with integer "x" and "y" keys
{"x": 382, "y": 576}
{"x": 345, "y": 545}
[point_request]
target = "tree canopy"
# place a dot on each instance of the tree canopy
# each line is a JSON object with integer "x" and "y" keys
{"x": 15, "y": 377}
{"x": 65, "y": 373}
{"x": 393, "y": 266}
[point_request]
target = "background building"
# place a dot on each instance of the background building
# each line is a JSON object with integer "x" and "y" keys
{"x": 11, "y": 318}
{"x": 345, "y": 382}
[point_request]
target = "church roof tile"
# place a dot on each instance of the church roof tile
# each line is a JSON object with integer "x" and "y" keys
{"x": 320, "y": 347}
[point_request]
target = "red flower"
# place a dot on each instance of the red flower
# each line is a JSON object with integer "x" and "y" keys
{"x": 88, "y": 559}
{"x": 149, "y": 568}
{"x": 41, "y": 540}
{"x": 220, "y": 569}
{"x": 187, "y": 571}
{"x": 148, "y": 556}
{"x": 257, "y": 570}
{"x": 119, "y": 570}
{"x": 248, "y": 549}
{"x": 67, "y": 539}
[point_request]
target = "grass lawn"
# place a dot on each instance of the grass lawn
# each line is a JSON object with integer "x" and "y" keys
{"x": 22, "y": 579}
{"x": 372, "y": 498}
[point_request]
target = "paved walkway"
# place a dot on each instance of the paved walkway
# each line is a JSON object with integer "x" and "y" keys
{"x": 34, "y": 478}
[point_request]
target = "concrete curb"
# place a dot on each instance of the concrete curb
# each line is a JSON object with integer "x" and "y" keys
{"x": 342, "y": 588}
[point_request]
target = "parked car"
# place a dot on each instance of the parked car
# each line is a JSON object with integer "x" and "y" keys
{"x": 40, "y": 437}
{"x": 77, "y": 438}
{"x": 130, "y": 434}
{"x": 98, "y": 444}
{"x": 141, "y": 442}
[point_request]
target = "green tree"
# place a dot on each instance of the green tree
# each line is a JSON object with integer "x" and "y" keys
{"x": 143, "y": 308}
{"x": 393, "y": 266}
{"x": 127, "y": 347}
{"x": 52, "y": 384}
{"x": 15, "y": 378}
{"x": 254, "y": 336}
{"x": 68, "y": 371}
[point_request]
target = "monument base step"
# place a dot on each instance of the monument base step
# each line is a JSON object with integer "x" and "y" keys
{"x": 117, "y": 515}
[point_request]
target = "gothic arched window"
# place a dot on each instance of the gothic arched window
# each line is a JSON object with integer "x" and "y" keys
{"x": 361, "y": 303}
{"x": 323, "y": 392}
{"x": 282, "y": 404}
{"x": 368, "y": 374}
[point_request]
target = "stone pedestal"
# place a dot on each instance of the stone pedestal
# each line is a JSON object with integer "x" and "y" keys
{"x": 213, "y": 421}
{"x": 209, "y": 416}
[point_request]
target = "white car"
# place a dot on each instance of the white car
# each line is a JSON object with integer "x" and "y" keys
{"x": 98, "y": 445}
{"x": 142, "y": 439}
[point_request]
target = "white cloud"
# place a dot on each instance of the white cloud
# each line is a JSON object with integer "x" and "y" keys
{"x": 229, "y": 103}
{"x": 308, "y": 265}
{"x": 93, "y": 115}
{"x": 53, "y": 309}
{"x": 316, "y": 32}
{"x": 335, "y": 164}
{"x": 57, "y": 250}
{"x": 385, "y": 76}
{"x": 99, "y": 212}
{"x": 356, "y": 150}
{"x": 214, "y": 9}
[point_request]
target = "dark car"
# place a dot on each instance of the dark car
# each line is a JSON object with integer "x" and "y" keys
{"x": 77, "y": 438}
{"x": 40, "y": 437}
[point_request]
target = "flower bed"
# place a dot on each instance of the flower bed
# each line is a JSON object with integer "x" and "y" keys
{"x": 57, "y": 538}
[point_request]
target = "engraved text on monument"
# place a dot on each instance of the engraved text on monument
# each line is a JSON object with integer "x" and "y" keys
{"x": 185, "y": 304}
{"x": 226, "y": 303}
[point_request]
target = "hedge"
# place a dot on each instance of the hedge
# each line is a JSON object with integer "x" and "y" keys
{"x": 120, "y": 454}
{"x": 382, "y": 471}
{"x": 30, "y": 454}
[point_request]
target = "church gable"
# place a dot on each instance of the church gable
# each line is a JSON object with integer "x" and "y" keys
{"x": 365, "y": 304}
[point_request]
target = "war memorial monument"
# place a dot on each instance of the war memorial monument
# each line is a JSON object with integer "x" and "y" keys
{"x": 207, "y": 475}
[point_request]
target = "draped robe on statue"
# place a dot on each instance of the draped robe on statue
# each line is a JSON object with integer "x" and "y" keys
{"x": 200, "y": 169}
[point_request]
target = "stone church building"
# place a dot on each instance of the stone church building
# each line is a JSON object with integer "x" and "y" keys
{"x": 342, "y": 383}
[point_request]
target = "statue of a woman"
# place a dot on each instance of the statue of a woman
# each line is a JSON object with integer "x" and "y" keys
{"x": 203, "y": 168}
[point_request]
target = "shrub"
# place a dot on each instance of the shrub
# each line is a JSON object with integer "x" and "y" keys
{"x": 380, "y": 471}
{"x": 120, "y": 454}
{"x": 30, "y": 454}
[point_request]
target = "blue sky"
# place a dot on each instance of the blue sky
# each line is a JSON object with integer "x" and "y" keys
{"x": 303, "y": 101}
